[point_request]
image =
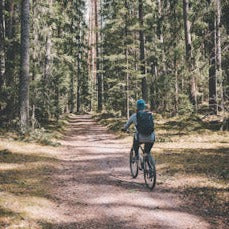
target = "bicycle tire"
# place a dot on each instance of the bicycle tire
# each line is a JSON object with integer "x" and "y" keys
{"x": 133, "y": 164}
{"x": 150, "y": 181}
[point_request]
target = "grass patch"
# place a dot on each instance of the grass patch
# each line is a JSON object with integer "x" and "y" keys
{"x": 200, "y": 175}
{"x": 210, "y": 163}
{"x": 24, "y": 183}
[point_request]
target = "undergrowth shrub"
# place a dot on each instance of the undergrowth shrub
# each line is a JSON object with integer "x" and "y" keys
{"x": 185, "y": 107}
{"x": 40, "y": 136}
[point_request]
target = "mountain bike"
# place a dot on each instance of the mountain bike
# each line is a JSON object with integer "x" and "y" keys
{"x": 142, "y": 162}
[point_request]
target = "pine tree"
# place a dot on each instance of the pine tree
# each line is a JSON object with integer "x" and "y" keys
{"x": 24, "y": 77}
{"x": 1, "y": 45}
{"x": 189, "y": 53}
{"x": 142, "y": 50}
{"x": 174, "y": 54}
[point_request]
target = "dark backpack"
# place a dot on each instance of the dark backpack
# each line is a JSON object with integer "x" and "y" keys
{"x": 145, "y": 123}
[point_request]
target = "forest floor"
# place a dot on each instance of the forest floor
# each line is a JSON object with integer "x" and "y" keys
{"x": 86, "y": 183}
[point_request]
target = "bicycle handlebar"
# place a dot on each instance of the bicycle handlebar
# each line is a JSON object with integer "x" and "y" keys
{"x": 129, "y": 132}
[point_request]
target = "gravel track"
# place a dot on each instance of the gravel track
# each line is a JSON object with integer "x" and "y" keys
{"x": 93, "y": 187}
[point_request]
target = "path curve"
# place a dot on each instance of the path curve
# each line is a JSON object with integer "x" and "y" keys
{"x": 93, "y": 187}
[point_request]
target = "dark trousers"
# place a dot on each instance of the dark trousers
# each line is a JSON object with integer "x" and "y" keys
{"x": 147, "y": 146}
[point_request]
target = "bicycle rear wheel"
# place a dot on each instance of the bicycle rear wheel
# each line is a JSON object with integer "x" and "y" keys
{"x": 149, "y": 173}
{"x": 133, "y": 164}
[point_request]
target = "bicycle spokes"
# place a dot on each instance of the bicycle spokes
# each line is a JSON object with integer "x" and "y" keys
{"x": 133, "y": 164}
{"x": 150, "y": 175}
{"x": 143, "y": 162}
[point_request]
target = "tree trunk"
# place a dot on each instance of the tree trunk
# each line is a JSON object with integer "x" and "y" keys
{"x": 24, "y": 79}
{"x": 47, "y": 71}
{"x": 11, "y": 107}
{"x": 127, "y": 86}
{"x": 219, "y": 53}
{"x": 101, "y": 62}
{"x": 188, "y": 42}
{"x": 153, "y": 87}
{"x": 212, "y": 70}
{"x": 127, "y": 104}
{"x": 93, "y": 47}
{"x": 89, "y": 58}
{"x": 175, "y": 61}
{"x": 10, "y": 52}
{"x": 189, "y": 56}
{"x": 156, "y": 71}
{"x": 160, "y": 34}
{"x": 176, "y": 83}
{"x": 1, "y": 44}
{"x": 57, "y": 100}
{"x": 78, "y": 87}
{"x": 142, "y": 52}
{"x": 72, "y": 93}
{"x": 47, "y": 56}
{"x": 98, "y": 75}
{"x": 78, "y": 103}
{"x": 72, "y": 77}
{"x": 93, "y": 54}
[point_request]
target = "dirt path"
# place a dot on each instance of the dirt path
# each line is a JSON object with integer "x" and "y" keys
{"x": 93, "y": 187}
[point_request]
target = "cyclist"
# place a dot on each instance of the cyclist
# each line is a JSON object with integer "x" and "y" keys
{"x": 147, "y": 137}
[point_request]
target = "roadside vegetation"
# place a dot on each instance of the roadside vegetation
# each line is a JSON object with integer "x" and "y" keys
{"x": 48, "y": 134}
{"x": 25, "y": 170}
{"x": 27, "y": 163}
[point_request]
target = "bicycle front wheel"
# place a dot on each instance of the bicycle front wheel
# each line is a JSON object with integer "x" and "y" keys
{"x": 149, "y": 173}
{"x": 133, "y": 164}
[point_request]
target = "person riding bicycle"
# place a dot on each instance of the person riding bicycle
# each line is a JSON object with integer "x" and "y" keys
{"x": 143, "y": 121}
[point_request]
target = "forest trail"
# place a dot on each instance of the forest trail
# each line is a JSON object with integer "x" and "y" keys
{"x": 93, "y": 187}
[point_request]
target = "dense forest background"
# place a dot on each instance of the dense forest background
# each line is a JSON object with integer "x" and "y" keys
{"x": 65, "y": 56}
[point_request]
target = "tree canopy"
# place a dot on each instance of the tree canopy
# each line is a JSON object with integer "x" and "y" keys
{"x": 103, "y": 55}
